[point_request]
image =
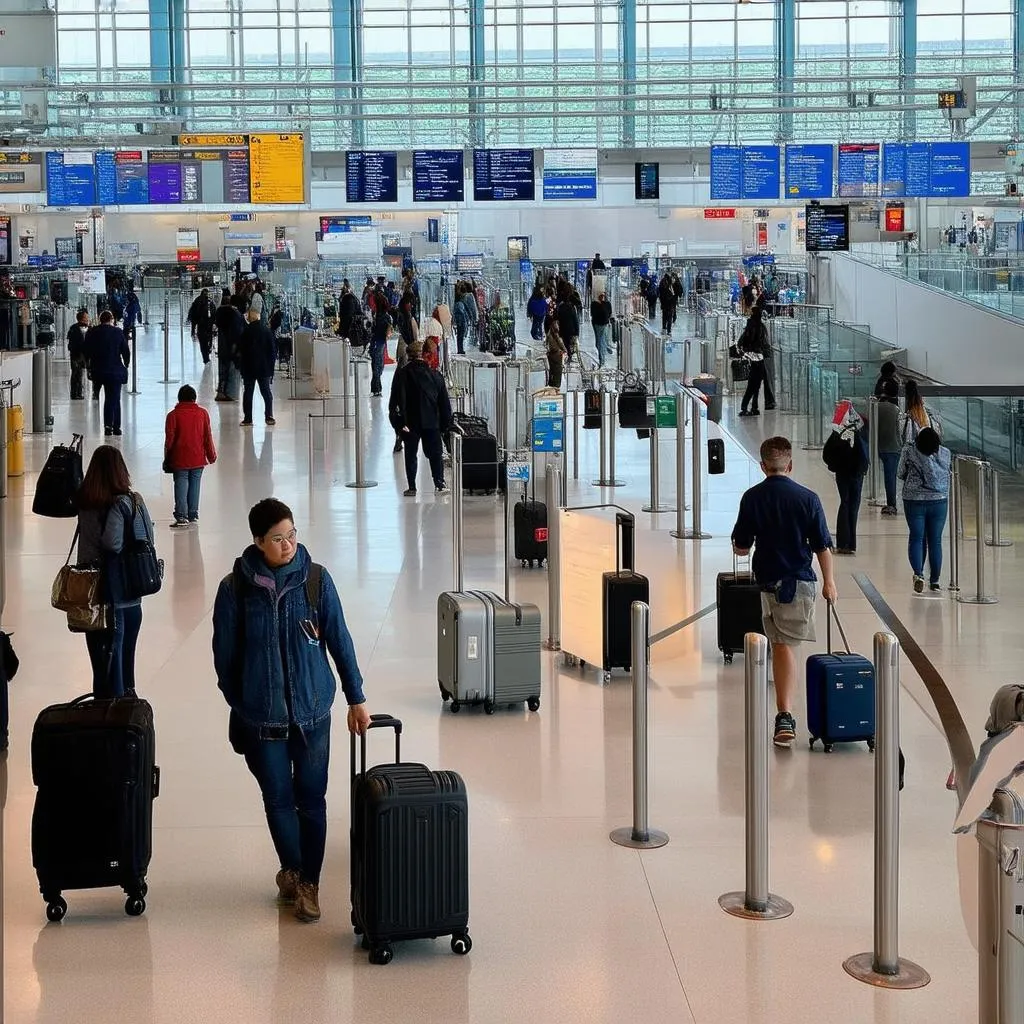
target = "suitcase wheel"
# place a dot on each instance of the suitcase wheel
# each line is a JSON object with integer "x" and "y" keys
{"x": 489, "y": 706}
{"x": 456, "y": 707}
{"x": 56, "y": 908}
{"x": 135, "y": 906}
{"x": 525, "y": 563}
{"x": 827, "y": 747}
{"x": 871, "y": 744}
{"x": 462, "y": 944}
{"x": 382, "y": 954}
{"x": 728, "y": 658}
{"x": 812, "y": 741}
{"x": 533, "y": 703}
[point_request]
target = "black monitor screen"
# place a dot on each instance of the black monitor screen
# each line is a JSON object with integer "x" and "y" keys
{"x": 827, "y": 228}
{"x": 371, "y": 177}
{"x": 503, "y": 174}
{"x": 647, "y": 181}
{"x": 437, "y": 176}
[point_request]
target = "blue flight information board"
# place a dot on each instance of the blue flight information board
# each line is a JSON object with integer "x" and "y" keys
{"x": 570, "y": 174}
{"x": 809, "y": 171}
{"x": 122, "y": 178}
{"x": 437, "y": 176}
{"x": 503, "y": 175}
{"x": 859, "y": 164}
{"x": 745, "y": 172}
{"x": 371, "y": 177}
{"x": 70, "y": 179}
{"x": 926, "y": 169}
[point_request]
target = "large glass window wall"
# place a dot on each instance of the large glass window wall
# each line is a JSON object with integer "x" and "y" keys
{"x": 546, "y": 73}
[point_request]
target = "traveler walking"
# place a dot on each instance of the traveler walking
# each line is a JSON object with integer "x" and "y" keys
{"x": 258, "y": 358}
{"x": 785, "y": 525}
{"x": 556, "y": 355}
{"x": 652, "y": 295}
{"x": 188, "y": 447}
{"x": 109, "y": 357}
{"x": 667, "y": 298}
{"x": 601, "y": 320}
{"x": 109, "y": 515}
{"x": 890, "y": 445}
{"x": 380, "y": 332}
{"x": 201, "y": 316}
{"x": 756, "y": 348}
{"x": 348, "y": 310}
{"x": 924, "y": 469}
{"x": 917, "y": 415}
{"x": 846, "y": 455}
{"x": 230, "y": 325}
{"x": 276, "y": 619}
{"x": 132, "y": 312}
{"x": 77, "y": 353}
{"x": 420, "y": 411}
{"x": 568, "y": 318}
{"x": 537, "y": 310}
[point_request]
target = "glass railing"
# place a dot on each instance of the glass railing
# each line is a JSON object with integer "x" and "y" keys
{"x": 986, "y": 422}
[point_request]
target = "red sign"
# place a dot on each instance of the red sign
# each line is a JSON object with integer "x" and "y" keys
{"x": 894, "y": 219}
{"x": 719, "y": 213}
{"x": 540, "y": 534}
{"x": 188, "y": 256}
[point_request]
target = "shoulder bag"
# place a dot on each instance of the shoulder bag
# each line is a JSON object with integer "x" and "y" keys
{"x": 77, "y": 591}
{"x": 135, "y": 571}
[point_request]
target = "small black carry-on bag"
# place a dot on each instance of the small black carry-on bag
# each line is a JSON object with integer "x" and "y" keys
{"x": 59, "y": 480}
{"x": 619, "y": 590}
{"x": 409, "y": 852}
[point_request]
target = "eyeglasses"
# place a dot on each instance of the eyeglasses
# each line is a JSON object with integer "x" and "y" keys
{"x": 283, "y": 538}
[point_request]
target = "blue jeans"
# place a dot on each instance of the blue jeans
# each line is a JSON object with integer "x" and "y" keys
{"x": 227, "y": 384}
{"x": 186, "y": 494}
{"x": 112, "y": 404}
{"x": 249, "y": 390}
{"x": 601, "y": 341}
{"x": 890, "y": 463}
{"x": 377, "y": 350}
{"x": 926, "y": 520}
{"x": 292, "y": 775}
{"x": 112, "y": 653}
{"x": 537, "y": 330}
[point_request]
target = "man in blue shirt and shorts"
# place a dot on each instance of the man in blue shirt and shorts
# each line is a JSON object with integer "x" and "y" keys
{"x": 785, "y": 525}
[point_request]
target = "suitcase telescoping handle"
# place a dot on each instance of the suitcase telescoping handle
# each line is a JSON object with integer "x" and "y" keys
{"x": 833, "y": 614}
{"x": 376, "y": 722}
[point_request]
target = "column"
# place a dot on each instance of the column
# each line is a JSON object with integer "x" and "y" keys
{"x": 346, "y": 21}
{"x": 785, "y": 62}
{"x": 477, "y": 72}
{"x": 907, "y": 49}
{"x": 167, "y": 52}
{"x": 1018, "y": 65}
{"x": 627, "y": 15}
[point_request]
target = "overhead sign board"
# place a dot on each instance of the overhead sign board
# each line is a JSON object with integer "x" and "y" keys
{"x": 277, "y": 167}
{"x": 570, "y": 174}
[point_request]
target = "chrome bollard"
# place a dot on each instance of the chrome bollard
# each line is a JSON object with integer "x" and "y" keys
{"x": 756, "y": 902}
{"x": 640, "y": 835}
{"x": 457, "y": 538}
{"x": 883, "y": 966}
{"x": 873, "y": 460}
{"x": 360, "y": 442}
{"x": 996, "y": 540}
{"x": 552, "y": 485}
{"x": 981, "y": 596}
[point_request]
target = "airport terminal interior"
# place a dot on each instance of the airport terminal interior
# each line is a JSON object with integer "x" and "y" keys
{"x": 820, "y": 196}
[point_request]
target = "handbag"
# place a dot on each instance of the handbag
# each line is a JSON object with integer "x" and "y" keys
{"x": 135, "y": 571}
{"x": 59, "y": 480}
{"x": 77, "y": 591}
{"x": 8, "y": 658}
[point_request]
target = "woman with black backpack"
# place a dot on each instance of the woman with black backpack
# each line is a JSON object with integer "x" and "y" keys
{"x": 755, "y": 347}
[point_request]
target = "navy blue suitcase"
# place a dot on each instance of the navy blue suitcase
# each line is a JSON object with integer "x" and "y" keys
{"x": 840, "y": 694}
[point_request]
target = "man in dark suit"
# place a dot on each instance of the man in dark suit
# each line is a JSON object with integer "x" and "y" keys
{"x": 109, "y": 355}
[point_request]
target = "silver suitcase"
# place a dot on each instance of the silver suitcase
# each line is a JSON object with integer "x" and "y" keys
{"x": 488, "y": 650}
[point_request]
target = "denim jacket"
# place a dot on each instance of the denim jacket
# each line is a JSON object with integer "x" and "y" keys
{"x": 269, "y": 672}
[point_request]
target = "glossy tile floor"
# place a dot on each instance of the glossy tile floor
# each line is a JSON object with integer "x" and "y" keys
{"x": 567, "y": 927}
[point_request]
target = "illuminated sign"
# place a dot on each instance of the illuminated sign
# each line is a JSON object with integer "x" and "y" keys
{"x": 276, "y": 166}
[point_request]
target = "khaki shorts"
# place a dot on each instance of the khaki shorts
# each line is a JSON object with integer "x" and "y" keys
{"x": 793, "y": 623}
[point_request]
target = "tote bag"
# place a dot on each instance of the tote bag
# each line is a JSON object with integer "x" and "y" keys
{"x": 78, "y": 592}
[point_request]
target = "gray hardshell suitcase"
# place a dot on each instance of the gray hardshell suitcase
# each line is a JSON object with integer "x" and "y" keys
{"x": 488, "y": 650}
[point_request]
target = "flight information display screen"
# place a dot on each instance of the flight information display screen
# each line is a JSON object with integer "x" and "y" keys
{"x": 809, "y": 171}
{"x": 503, "y": 175}
{"x": 646, "y": 181}
{"x": 437, "y": 176}
{"x": 827, "y": 227}
{"x": 121, "y": 178}
{"x": 745, "y": 172}
{"x": 859, "y": 166}
{"x": 219, "y": 176}
{"x": 70, "y": 179}
{"x": 371, "y": 177}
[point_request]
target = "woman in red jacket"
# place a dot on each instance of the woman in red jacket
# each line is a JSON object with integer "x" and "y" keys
{"x": 188, "y": 447}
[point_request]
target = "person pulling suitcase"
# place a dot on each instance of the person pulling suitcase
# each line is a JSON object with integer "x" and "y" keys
{"x": 276, "y": 618}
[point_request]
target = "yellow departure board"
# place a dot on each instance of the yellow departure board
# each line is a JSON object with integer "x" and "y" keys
{"x": 211, "y": 140}
{"x": 277, "y": 168}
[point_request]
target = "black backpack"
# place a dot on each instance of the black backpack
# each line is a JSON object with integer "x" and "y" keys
{"x": 59, "y": 481}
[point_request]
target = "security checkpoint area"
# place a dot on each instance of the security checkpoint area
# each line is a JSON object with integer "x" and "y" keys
{"x": 593, "y": 262}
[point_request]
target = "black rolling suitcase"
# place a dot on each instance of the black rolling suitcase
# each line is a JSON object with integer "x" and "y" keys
{"x": 409, "y": 852}
{"x": 530, "y": 531}
{"x": 738, "y": 597}
{"x": 93, "y": 763}
{"x": 619, "y": 590}
{"x": 59, "y": 480}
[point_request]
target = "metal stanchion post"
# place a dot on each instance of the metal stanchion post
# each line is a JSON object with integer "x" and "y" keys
{"x": 602, "y": 440}
{"x": 457, "y": 542}
{"x": 135, "y": 363}
{"x": 346, "y": 385}
{"x": 48, "y": 389}
{"x": 167, "y": 379}
{"x": 884, "y": 966}
{"x": 553, "y": 486}
{"x": 655, "y": 504}
{"x": 681, "y": 405}
{"x": 981, "y": 597}
{"x": 756, "y": 902}
{"x": 697, "y": 470}
{"x": 873, "y": 460}
{"x": 954, "y": 533}
{"x": 996, "y": 540}
{"x": 640, "y": 835}
{"x": 575, "y": 435}
{"x": 1000, "y": 926}
{"x": 607, "y": 442}
{"x": 3, "y": 451}
{"x": 360, "y": 481}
